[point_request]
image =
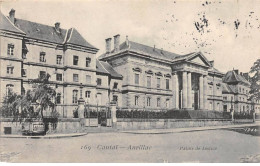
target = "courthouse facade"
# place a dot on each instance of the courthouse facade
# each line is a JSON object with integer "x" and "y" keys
{"x": 134, "y": 75}
{"x": 154, "y": 78}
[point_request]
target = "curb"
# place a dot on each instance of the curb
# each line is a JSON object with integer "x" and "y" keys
{"x": 45, "y": 137}
{"x": 182, "y": 130}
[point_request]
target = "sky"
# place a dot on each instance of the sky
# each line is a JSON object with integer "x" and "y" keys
{"x": 227, "y": 32}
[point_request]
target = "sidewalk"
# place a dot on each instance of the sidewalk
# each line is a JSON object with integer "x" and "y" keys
{"x": 51, "y": 136}
{"x": 190, "y": 129}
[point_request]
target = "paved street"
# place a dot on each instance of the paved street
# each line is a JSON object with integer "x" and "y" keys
{"x": 199, "y": 146}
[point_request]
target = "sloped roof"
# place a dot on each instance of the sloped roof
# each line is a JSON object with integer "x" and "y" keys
{"x": 111, "y": 70}
{"x": 144, "y": 49}
{"x": 226, "y": 88}
{"x": 40, "y": 31}
{"x": 233, "y": 77}
{"x": 74, "y": 37}
{"x": 106, "y": 68}
{"x": 44, "y": 32}
{"x": 100, "y": 68}
{"x": 7, "y": 25}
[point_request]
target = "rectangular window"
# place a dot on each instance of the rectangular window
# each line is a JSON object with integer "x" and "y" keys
{"x": 58, "y": 98}
{"x": 88, "y": 60}
{"x": 87, "y": 94}
{"x": 10, "y": 49}
{"x": 115, "y": 85}
{"x": 24, "y": 72}
{"x": 88, "y": 79}
{"x": 59, "y": 77}
{"x": 10, "y": 70}
{"x": 136, "y": 79}
{"x": 59, "y": 60}
{"x": 99, "y": 81}
{"x": 75, "y": 77}
{"x": 42, "y": 74}
{"x": 136, "y": 100}
{"x": 75, "y": 60}
{"x": 158, "y": 83}
{"x": 75, "y": 96}
{"x": 158, "y": 102}
{"x": 148, "y": 80}
{"x": 115, "y": 98}
{"x": 225, "y": 98}
{"x": 167, "y": 84}
{"x": 148, "y": 101}
{"x": 42, "y": 57}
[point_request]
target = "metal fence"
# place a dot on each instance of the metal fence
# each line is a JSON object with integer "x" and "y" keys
{"x": 173, "y": 114}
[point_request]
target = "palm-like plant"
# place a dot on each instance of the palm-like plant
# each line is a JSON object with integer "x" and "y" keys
{"x": 43, "y": 95}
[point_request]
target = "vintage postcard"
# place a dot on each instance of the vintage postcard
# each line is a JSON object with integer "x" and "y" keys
{"x": 127, "y": 81}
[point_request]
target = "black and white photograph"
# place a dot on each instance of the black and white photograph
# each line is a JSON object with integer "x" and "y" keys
{"x": 129, "y": 81}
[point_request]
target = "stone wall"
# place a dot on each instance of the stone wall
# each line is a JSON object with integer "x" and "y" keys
{"x": 137, "y": 124}
{"x": 66, "y": 125}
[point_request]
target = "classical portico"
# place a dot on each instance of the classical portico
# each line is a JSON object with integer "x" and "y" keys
{"x": 190, "y": 83}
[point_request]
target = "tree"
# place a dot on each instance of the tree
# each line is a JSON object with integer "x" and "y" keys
{"x": 11, "y": 104}
{"x": 42, "y": 96}
{"x": 255, "y": 80}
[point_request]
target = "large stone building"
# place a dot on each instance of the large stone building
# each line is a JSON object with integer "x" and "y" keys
{"x": 134, "y": 75}
{"x": 236, "y": 87}
{"x": 154, "y": 78}
{"x": 30, "y": 50}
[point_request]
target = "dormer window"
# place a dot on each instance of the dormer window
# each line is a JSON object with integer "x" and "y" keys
{"x": 10, "y": 50}
{"x": 42, "y": 57}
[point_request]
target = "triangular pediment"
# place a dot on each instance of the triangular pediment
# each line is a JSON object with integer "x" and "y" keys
{"x": 199, "y": 59}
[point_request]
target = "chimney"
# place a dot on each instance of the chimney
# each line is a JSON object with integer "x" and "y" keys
{"x": 57, "y": 27}
{"x": 116, "y": 42}
{"x": 211, "y": 63}
{"x": 12, "y": 15}
{"x": 154, "y": 48}
{"x": 236, "y": 71}
{"x": 108, "y": 45}
{"x": 161, "y": 50}
{"x": 241, "y": 73}
{"x": 127, "y": 41}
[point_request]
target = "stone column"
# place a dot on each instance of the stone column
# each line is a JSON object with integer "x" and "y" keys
{"x": 175, "y": 90}
{"x": 205, "y": 90}
{"x": 113, "y": 114}
{"x": 201, "y": 92}
{"x": 184, "y": 89}
{"x": 189, "y": 94}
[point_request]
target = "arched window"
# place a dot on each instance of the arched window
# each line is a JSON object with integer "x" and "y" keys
{"x": 9, "y": 89}
{"x": 136, "y": 100}
{"x": 167, "y": 103}
{"x": 75, "y": 96}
